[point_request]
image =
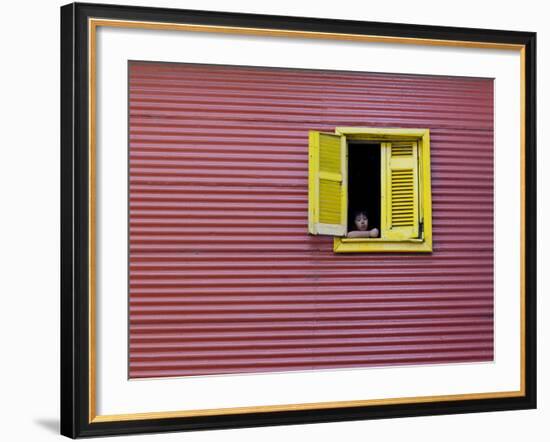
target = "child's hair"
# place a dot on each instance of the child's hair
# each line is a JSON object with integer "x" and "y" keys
{"x": 360, "y": 212}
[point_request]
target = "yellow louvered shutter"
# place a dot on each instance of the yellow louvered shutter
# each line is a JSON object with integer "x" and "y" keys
{"x": 327, "y": 184}
{"x": 400, "y": 217}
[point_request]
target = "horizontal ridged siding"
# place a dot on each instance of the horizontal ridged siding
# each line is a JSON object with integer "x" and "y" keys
{"x": 223, "y": 275}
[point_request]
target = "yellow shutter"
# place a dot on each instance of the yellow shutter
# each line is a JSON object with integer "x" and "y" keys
{"x": 400, "y": 214}
{"x": 327, "y": 184}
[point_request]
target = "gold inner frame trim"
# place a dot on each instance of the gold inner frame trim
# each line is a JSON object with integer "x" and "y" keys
{"x": 306, "y": 406}
{"x": 300, "y": 34}
{"x": 93, "y": 24}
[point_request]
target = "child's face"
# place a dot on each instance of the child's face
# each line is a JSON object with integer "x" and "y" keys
{"x": 361, "y": 222}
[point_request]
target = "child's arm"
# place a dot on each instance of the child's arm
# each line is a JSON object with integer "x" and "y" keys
{"x": 363, "y": 234}
{"x": 359, "y": 234}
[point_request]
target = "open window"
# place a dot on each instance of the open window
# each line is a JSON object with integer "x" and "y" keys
{"x": 380, "y": 173}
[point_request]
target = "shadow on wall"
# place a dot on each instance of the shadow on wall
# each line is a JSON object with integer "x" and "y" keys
{"x": 51, "y": 424}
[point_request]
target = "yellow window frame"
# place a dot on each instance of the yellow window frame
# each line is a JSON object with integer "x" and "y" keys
{"x": 424, "y": 242}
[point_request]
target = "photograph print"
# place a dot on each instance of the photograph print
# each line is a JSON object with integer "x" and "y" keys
{"x": 294, "y": 219}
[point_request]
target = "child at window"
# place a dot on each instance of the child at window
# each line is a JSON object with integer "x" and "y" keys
{"x": 362, "y": 224}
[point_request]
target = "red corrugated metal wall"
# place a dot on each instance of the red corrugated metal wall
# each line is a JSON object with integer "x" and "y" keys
{"x": 224, "y": 277}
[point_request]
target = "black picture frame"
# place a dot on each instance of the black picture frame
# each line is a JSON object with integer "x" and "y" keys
{"x": 75, "y": 220}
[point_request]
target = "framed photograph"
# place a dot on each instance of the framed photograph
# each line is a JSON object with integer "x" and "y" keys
{"x": 274, "y": 220}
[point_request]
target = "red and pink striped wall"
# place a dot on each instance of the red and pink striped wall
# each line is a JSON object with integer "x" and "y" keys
{"x": 224, "y": 277}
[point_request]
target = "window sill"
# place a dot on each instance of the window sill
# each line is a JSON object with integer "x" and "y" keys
{"x": 358, "y": 245}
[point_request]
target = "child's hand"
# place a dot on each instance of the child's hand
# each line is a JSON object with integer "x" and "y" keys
{"x": 374, "y": 233}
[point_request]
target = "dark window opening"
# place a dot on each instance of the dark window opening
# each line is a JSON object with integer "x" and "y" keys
{"x": 364, "y": 193}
